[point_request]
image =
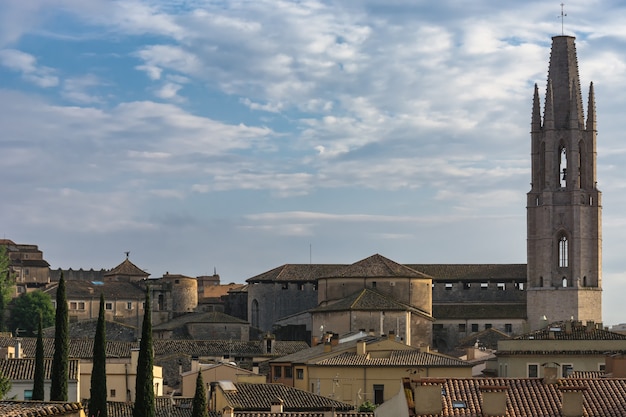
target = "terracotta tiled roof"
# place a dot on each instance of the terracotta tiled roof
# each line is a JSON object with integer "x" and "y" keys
{"x": 24, "y": 369}
{"x": 127, "y": 268}
{"x": 396, "y": 358}
{"x": 87, "y": 329}
{"x": 298, "y": 414}
{"x": 365, "y": 300}
{"x": 377, "y": 266}
{"x": 309, "y": 353}
{"x": 572, "y": 330}
{"x": 112, "y": 290}
{"x": 250, "y": 397}
{"x": 295, "y": 273}
{"x": 38, "y": 408}
{"x": 83, "y": 348}
{"x": 217, "y": 291}
{"x": 208, "y": 317}
{"x": 165, "y": 407}
{"x": 448, "y": 311}
{"x": 487, "y": 338}
{"x": 531, "y": 397}
{"x": 440, "y": 272}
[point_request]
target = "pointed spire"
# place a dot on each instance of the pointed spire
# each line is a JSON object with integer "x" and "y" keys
{"x": 574, "y": 111}
{"x": 591, "y": 109}
{"x": 536, "y": 120}
{"x": 548, "y": 114}
{"x": 563, "y": 74}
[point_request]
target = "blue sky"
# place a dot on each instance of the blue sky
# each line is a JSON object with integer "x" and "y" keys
{"x": 243, "y": 135}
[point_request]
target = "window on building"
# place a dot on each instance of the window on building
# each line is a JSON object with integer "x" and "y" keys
{"x": 488, "y": 326}
{"x": 379, "y": 393}
{"x": 112, "y": 393}
{"x": 129, "y": 305}
{"x": 28, "y": 394}
{"x": 315, "y": 287}
{"x": 563, "y": 252}
{"x": 484, "y": 285}
{"x": 566, "y": 369}
{"x": 299, "y": 373}
{"x": 508, "y": 328}
{"x": 501, "y": 286}
{"x": 301, "y": 287}
{"x": 563, "y": 166}
{"x": 26, "y": 271}
{"x": 108, "y": 306}
{"x": 448, "y": 285}
{"x": 285, "y": 286}
{"x": 474, "y": 327}
{"x": 288, "y": 372}
{"x": 73, "y": 305}
{"x": 532, "y": 370}
{"x": 81, "y": 305}
{"x": 564, "y": 282}
{"x": 278, "y": 372}
{"x": 373, "y": 284}
{"x": 462, "y": 327}
{"x": 601, "y": 367}
{"x": 467, "y": 285}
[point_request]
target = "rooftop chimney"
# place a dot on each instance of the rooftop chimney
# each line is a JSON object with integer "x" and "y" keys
{"x": 392, "y": 335}
{"x": 493, "y": 400}
{"x": 572, "y": 401}
{"x": 428, "y": 397}
{"x": 361, "y": 348}
{"x": 550, "y": 375}
{"x": 277, "y": 405}
{"x": 228, "y": 411}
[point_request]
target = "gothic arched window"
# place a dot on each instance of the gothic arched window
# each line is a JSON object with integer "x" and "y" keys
{"x": 563, "y": 252}
{"x": 563, "y": 166}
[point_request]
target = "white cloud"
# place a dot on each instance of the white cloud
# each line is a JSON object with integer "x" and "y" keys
{"x": 26, "y": 64}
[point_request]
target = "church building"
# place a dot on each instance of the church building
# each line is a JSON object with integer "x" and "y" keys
{"x": 561, "y": 281}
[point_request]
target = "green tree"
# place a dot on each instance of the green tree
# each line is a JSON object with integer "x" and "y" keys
{"x": 26, "y": 310}
{"x": 59, "y": 373}
{"x": 199, "y": 399}
{"x": 5, "y": 386}
{"x": 7, "y": 286}
{"x": 144, "y": 385}
{"x": 98, "y": 397}
{"x": 40, "y": 371}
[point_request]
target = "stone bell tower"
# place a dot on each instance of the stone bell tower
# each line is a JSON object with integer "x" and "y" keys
{"x": 564, "y": 207}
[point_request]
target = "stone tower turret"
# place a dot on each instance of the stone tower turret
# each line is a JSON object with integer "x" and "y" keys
{"x": 564, "y": 211}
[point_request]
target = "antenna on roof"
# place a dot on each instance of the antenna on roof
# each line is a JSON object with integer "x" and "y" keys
{"x": 127, "y": 253}
{"x": 562, "y": 17}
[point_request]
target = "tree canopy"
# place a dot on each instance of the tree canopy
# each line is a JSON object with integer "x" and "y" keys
{"x": 7, "y": 284}
{"x": 98, "y": 391}
{"x": 144, "y": 383}
{"x": 60, "y": 360}
{"x": 25, "y": 312}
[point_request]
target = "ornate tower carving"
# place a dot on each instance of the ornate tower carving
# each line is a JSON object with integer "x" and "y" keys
{"x": 564, "y": 210}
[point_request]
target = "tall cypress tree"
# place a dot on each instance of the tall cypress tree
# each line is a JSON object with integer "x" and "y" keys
{"x": 40, "y": 371}
{"x": 59, "y": 374}
{"x": 98, "y": 398}
{"x": 199, "y": 399}
{"x": 144, "y": 385}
